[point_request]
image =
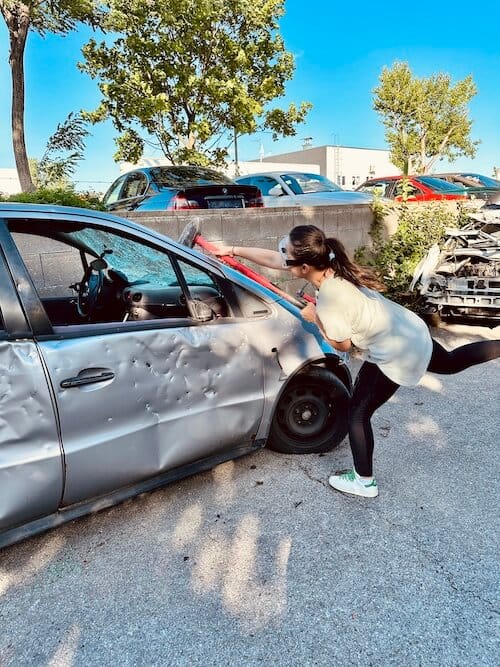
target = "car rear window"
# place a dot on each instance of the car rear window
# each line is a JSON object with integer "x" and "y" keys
{"x": 174, "y": 177}
{"x": 483, "y": 180}
{"x": 438, "y": 185}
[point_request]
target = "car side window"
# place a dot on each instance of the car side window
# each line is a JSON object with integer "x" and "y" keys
{"x": 378, "y": 189}
{"x": 264, "y": 183}
{"x": 135, "y": 186}
{"x": 113, "y": 194}
{"x": 203, "y": 287}
{"x": 52, "y": 264}
{"x": 406, "y": 189}
{"x": 87, "y": 275}
{"x": 293, "y": 184}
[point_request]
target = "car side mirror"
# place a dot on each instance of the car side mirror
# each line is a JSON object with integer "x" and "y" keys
{"x": 200, "y": 311}
{"x": 276, "y": 191}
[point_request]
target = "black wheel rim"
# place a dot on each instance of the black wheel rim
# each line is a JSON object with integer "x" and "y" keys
{"x": 305, "y": 412}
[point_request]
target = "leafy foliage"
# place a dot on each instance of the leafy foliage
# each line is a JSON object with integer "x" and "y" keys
{"x": 64, "y": 149}
{"x": 59, "y": 196}
{"x": 426, "y": 119}
{"x": 185, "y": 75}
{"x": 55, "y": 183}
{"x": 46, "y": 16}
{"x": 42, "y": 16}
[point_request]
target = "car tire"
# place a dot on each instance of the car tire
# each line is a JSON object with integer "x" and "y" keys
{"x": 311, "y": 415}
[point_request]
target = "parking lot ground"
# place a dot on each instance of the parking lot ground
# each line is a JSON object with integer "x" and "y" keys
{"x": 259, "y": 561}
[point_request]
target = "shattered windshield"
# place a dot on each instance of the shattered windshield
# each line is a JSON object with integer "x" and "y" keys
{"x": 139, "y": 262}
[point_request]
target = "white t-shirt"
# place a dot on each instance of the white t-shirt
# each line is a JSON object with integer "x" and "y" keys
{"x": 388, "y": 335}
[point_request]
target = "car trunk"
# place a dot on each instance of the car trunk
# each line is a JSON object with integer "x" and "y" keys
{"x": 219, "y": 196}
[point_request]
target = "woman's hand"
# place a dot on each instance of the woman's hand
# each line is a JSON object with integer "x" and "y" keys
{"x": 308, "y": 313}
{"x": 221, "y": 250}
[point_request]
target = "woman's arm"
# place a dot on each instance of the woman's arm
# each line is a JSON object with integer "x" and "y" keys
{"x": 269, "y": 258}
{"x": 309, "y": 314}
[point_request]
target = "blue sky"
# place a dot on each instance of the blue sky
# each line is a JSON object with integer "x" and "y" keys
{"x": 340, "y": 50}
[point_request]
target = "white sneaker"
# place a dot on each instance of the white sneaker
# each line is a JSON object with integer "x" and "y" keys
{"x": 350, "y": 482}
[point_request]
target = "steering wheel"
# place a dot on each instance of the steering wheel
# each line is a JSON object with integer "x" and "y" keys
{"x": 90, "y": 287}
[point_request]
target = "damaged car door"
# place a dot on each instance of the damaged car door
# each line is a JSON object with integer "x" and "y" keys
{"x": 144, "y": 362}
{"x": 31, "y": 464}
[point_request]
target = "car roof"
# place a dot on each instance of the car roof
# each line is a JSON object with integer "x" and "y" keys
{"x": 65, "y": 213}
{"x": 401, "y": 176}
{"x": 56, "y": 209}
{"x": 384, "y": 178}
{"x": 277, "y": 173}
{"x": 457, "y": 173}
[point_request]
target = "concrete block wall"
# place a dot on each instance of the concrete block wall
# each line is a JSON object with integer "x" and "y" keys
{"x": 265, "y": 227}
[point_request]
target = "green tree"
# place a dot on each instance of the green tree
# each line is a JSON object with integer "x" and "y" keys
{"x": 188, "y": 75}
{"x": 41, "y": 16}
{"x": 426, "y": 119}
{"x": 64, "y": 149}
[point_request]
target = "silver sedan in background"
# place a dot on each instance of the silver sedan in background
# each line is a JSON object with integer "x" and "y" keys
{"x": 296, "y": 188}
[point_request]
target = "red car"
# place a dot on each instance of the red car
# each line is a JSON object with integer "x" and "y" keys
{"x": 413, "y": 188}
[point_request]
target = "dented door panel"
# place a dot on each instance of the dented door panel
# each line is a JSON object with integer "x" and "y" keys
{"x": 31, "y": 471}
{"x": 174, "y": 396}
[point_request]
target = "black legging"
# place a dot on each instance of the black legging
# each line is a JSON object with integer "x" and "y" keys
{"x": 372, "y": 389}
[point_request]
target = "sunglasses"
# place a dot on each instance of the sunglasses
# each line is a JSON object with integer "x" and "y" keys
{"x": 282, "y": 247}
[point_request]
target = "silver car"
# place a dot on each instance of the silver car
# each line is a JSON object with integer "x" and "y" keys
{"x": 296, "y": 188}
{"x": 129, "y": 360}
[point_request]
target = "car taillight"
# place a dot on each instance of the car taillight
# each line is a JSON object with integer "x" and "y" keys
{"x": 255, "y": 202}
{"x": 180, "y": 202}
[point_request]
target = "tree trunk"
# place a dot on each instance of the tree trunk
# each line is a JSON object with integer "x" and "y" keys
{"x": 18, "y": 35}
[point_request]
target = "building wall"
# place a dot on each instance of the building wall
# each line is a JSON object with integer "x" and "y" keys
{"x": 9, "y": 182}
{"x": 344, "y": 165}
{"x": 349, "y": 167}
{"x": 260, "y": 167}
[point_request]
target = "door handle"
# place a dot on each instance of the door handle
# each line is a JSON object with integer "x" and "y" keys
{"x": 80, "y": 380}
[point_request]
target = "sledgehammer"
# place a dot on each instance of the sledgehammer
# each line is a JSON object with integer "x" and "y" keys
{"x": 191, "y": 236}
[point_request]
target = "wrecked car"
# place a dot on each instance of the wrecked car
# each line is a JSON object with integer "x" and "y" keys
{"x": 462, "y": 277}
{"x": 129, "y": 360}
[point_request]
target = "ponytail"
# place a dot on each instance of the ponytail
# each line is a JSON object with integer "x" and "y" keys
{"x": 358, "y": 275}
{"x": 310, "y": 245}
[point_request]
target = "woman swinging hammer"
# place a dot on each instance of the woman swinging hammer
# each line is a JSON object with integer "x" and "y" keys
{"x": 395, "y": 344}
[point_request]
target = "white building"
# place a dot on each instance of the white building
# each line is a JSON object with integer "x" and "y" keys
{"x": 345, "y": 165}
{"x": 9, "y": 182}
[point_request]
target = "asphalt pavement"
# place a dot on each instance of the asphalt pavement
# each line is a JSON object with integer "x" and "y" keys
{"x": 260, "y": 562}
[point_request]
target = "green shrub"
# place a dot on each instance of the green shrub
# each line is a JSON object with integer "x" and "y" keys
{"x": 418, "y": 228}
{"x": 61, "y": 197}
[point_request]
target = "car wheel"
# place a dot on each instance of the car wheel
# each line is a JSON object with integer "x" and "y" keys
{"x": 311, "y": 415}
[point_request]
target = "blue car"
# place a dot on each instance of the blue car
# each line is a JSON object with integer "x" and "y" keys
{"x": 178, "y": 187}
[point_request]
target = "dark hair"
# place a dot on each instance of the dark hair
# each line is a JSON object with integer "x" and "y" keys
{"x": 310, "y": 245}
